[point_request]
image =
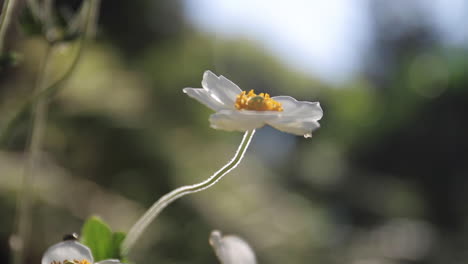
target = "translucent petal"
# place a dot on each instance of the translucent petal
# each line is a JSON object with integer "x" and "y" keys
{"x": 219, "y": 94}
{"x": 204, "y": 97}
{"x": 298, "y": 118}
{"x": 221, "y": 88}
{"x": 67, "y": 250}
{"x": 232, "y": 249}
{"x": 235, "y": 120}
{"x": 297, "y": 127}
{"x": 292, "y": 107}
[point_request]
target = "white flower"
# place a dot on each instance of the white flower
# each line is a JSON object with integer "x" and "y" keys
{"x": 71, "y": 252}
{"x": 231, "y": 249}
{"x": 237, "y": 110}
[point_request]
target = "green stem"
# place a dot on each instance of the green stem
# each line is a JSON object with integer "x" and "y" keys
{"x": 51, "y": 90}
{"x": 35, "y": 9}
{"x": 5, "y": 20}
{"x": 39, "y": 115}
{"x": 89, "y": 31}
{"x": 137, "y": 229}
{"x": 38, "y": 103}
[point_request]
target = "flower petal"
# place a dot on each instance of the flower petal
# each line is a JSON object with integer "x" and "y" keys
{"x": 309, "y": 110}
{"x": 67, "y": 250}
{"x": 235, "y": 120}
{"x": 221, "y": 88}
{"x": 299, "y": 118}
{"x": 109, "y": 261}
{"x": 217, "y": 92}
{"x": 204, "y": 97}
{"x": 295, "y": 126}
{"x": 232, "y": 249}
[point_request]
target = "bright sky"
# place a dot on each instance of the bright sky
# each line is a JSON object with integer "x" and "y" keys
{"x": 450, "y": 18}
{"x": 325, "y": 38}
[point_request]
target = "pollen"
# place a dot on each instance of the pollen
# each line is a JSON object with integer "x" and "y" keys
{"x": 75, "y": 261}
{"x": 254, "y": 102}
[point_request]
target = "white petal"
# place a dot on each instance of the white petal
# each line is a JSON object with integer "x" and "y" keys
{"x": 204, "y": 97}
{"x": 298, "y": 118}
{"x": 109, "y": 261}
{"x": 221, "y": 88}
{"x": 235, "y": 120}
{"x": 217, "y": 92}
{"x": 232, "y": 249}
{"x": 67, "y": 250}
{"x": 297, "y": 127}
{"x": 292, "y": 107}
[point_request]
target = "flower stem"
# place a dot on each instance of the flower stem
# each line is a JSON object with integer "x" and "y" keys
{"x": 39, "y": 119}
{"x": 92, "y": 12}
{"x": 7, "y": 11}
{"x": 138, "y": 228}
{"x": 20, "y": 240}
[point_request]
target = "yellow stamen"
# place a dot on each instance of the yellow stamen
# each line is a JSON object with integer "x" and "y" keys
{"x": 75, "y": 261}
{"x": 260, "y": 102}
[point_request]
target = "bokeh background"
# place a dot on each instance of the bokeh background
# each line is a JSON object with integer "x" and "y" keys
{"x": 385, "y": 180}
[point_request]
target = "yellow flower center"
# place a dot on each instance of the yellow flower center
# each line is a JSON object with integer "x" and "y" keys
{"x": 75, "y": 261}
{"x": 260, "y": 102}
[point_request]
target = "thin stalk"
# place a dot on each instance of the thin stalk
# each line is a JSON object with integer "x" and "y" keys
{"x": 5, "y": 20}
{"x": 89, "y": 31}
{"x": 25, "y": 204}
{"x": 93, "y": 16}
{"x": 35, "y": 9}
{"x": 52, "y": 89}
{"x": 38, "y": 103}
{"x": 137, "y": 229}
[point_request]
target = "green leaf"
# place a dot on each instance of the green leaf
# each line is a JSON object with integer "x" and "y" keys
{"x": 98, "y": 236}
{"x": 117, "y": 239}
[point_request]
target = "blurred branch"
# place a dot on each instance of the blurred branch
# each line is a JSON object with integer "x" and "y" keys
{"x": 24, "y": 196}
{"x": 39, "y": 113}
{"x": 5, "y": 20}
{"x": 91, "y": 8}
{"x": 35, "y": 9}
{"x": 53, "y": 189}
{"x": 91, "y": 28}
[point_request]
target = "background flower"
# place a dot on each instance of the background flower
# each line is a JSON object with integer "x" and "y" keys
{"x": 72, "y": 251}
{"x": 231, "y": 249}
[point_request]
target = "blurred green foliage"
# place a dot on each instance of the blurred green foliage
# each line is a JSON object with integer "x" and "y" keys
{"x": 384, "y": 179}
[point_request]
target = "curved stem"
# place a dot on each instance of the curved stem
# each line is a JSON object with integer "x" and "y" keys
{"x": 39, "y": 119}
{"x": 35, "y": 9}
{"x": 138, "y": 228}
{"x": 7, "y": 11}
{"x": 89, "y": 29}
{"x": 39, "y": 114}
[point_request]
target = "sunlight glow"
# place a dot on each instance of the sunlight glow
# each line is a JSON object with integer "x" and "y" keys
{"x": 323, "y": 38}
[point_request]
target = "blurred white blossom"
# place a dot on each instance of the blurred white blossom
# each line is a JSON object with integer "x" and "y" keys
{"x": 231, "y": 249}
{"x": 71, "y": 252}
